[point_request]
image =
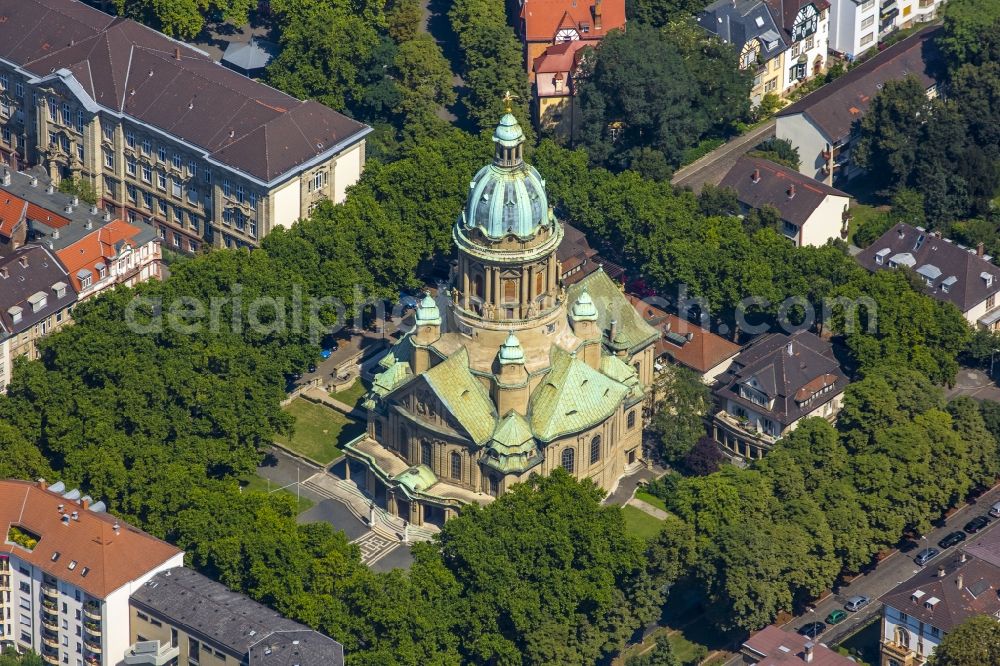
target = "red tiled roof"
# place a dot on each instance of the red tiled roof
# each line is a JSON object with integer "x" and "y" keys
{"x": 38, "y": 214}
{"x": 96, "y": 247}
{"x": 12, "y": 210}
{"x": 560, "y": 57}
{"x": 543, "y": 18}
{"x": 103, "y": 559}
{"x": 703, "y": 350}
{"x": 783, "y": 648}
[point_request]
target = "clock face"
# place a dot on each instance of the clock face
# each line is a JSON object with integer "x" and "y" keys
{"x": 566, "y": 35}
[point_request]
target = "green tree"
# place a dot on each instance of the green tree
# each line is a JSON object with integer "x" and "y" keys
{"x": 185, "y": 18}
{"x": 976, "y": 641}
{"x": 661, "y": 655}
{"x": 970, "y": 29}
{"x": 404, "y": 19}
{"x": 679, "y": 421}
{"x": 424, "y": 79}
{"x": 780, "y": 151}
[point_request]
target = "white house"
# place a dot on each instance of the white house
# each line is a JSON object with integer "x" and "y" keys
{"x": 67, "y": 569}
{"x": 117, "y": 253}
{"x": 854, "y": 26}
{"x": 821, "y": 125}
{"x": 811, "y": 212}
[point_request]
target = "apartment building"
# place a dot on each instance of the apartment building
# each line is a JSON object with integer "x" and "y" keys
{"x": 180, "y": 616}
{"x": 854, "y": 27}
{"x": 118, "y": 253}
{"x": 35, "y": 299}
{"x": 67, "y": 569}
{"x": 163, "y": 133}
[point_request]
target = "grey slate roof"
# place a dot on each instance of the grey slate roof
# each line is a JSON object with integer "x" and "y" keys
{"x": 960, "y": 271}
{"x": 738, "y": 23}
{"x": 772, "y": 188}
{"x": 42, "y": 271}
{"x": 128, "y": 68}
{"x": 834, "y": 107}
{"x": 255, "y": 54}
{"x": 236, "y": 623}
{"x": 782, "y": 375}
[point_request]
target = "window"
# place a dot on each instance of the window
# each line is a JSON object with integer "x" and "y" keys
{"x": 991, "y": 301}
{"x": 193, "y": 169}
{"x": 110, "y": 188}
{"x": 175, "y": 186}
{"x": 208, "y": 176}
{"x": 130, "y": 165}
{"x": 79, "y": 121}
{"x": 67, "y": 115}
{"x": 595, "y": 449}
{"x": 631, "y": 419}
{"x": 161, "y": 154}
{"x": 192, "y": 196}
{"x": 494, "y": 486}
{"x": 131, "y": 191}
{"x": 568, "y": 460}
{"x": 456, "y": 465}
{"x": 868, "y": 22}
{"x": 177, "y": 161}
{"x": 109, "y": 159}
{"x": 178, "y": 215}
{"x": 162, "y": 206}
{"x": 425, "y": 454}
{"x": 161, "y": 180}
{"x": 227, "y": 188}
{"x": 4, "y": 82}
{"x": 867, "y": 4}
{"x": 868, "y": 39}
{"x": 130, "y": 139}
{"x": 192, "y": 246}
{"x": 19, "y": 90}
{"x": 177, "y": 240}
{"x": 253, "y": 201}
{"x": 147, "y": 173}
{"x": 109, "y": 132}
{"x": 240, "y": 194}
{"x": 79, "y": 151}
{"x": 6, "y": 134}
{"x": 147, "y": 200}
{"x": 147, "y": 147}
{"x": 318, "y": 181}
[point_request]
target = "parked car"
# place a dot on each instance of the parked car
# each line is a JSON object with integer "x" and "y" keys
{"x": 952, "y": 539}
{"x": 836, "y": 617}
{"x": 995, "y": 510}
{"x": 926, "y": 555}
{"x": 812, "y": 630}
{"x": 312, "y": 367}
{"x": 857, "y": 602}
{"x": 976, "y": 524}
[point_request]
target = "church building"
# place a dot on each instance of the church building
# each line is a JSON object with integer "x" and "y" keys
{"x": 509, "y": 373}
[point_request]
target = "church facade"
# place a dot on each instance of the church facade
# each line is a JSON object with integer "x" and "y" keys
{"x": 507, "y": 374}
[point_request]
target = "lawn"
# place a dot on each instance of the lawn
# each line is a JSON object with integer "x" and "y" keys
{"x": 686, "y": 651}
{"x": 640, "y": 523}
{"x": 651, "y": 499}
{"x": 254, "y": 482}
{"x": 319, "y": 431}
{"x": 351, "y": 395}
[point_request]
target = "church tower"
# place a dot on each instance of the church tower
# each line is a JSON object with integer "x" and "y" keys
{"x": 507, "y": 237}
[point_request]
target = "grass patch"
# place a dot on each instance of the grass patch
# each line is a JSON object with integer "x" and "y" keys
{"x": 651, "y": 499}
{"x": 686, "y": 651}
{"x": 640, "y": 523}
{"x": 319, "y": 431}
{"x": 260, "y": 484}
{"x": 351, "y": 395}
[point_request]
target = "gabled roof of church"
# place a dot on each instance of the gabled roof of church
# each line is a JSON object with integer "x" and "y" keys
{"x": 463, "y": 396}
{"x": 513, "y": 448}
{"x": 613, "y": 305}
{"x": 572, "y": 397}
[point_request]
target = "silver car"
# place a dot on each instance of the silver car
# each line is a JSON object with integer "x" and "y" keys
{"x": 857, "y": 602}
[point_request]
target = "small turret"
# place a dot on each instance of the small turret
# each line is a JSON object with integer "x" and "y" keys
{"x": 583, "y": 319}
{"x": 512, "y": 378}
{"x": 511, "y": 352}
{"x": 427, "y": 332}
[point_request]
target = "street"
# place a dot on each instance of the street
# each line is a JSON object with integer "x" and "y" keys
{"x": 713, "y": 167}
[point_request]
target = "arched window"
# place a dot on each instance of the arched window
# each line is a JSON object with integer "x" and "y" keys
{"x": 494, "y": 486}
{"x": 539, "y": 283}
{"x": 477, "y": 285}
{"x": 568, "y": 460}
{"x": 456, "y": 465}
{"x": 595, "y": 449}
{"x": 510, "y": 291}
{"x": 631, "y": 419}
{"x": 902, "y": 637}
{"x": 425, "y": 453}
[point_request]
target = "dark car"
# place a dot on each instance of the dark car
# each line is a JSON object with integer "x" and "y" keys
{"x": 952, "y": 539}
{"x": 812, "y": 630}
{"x": 976, "y": 524}
{"x": 926, "y": 555}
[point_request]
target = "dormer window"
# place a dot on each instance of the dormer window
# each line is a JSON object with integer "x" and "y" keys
{"x": 15, "y": 314}
{"x": 987, "y": 277}
{"x": 38, "y": 301}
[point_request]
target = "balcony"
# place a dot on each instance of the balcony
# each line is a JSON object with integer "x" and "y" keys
{"x": 92, "y": 610}
{"x": 50, "y": 658}
{"x": 151, "y": 653}
{"x": 894, "y": 651}
{"x": 51, "y": 591}
{"x": 92, "y": 628}
{"x": 50, "y": 622}
{"x": 51, "y": 639}
{"x": 91, "y": 660}
{"x": 91, "y": 645}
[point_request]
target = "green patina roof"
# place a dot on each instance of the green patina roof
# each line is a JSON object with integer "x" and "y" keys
{"x": 511, "y": 351}
{"x": 508, "y": 131}
{"x": 622, "y": 372}
{"x": 390, "y": 378}
{"x": 463, "y": 396}
{"x": 612, "y": 304}
{"x": 513, "y": 449}
{"x": 417, "y": 479}
{"x": 572, "y": 397}
{"x": 583, "y": 308}
{"x": 428, "y": 313}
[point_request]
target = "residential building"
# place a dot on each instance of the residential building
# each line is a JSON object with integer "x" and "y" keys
{"x": 919, "y": 612}
{"x": 68, "y": 569}
{"x": 773, "y": 646}
{"x": 510, "y": 375}
{"x": 812, "y": 212}
{"x": 821, "y": 124}
{"x": 180, "y": 616}
{"x": 770, "y": 387}
{"x": 555, "y": 34}
{"x": 782, "y": 42}
{"x": 854, "y": 26}
{"x": 686, "y": 344}
{"x": 35, "y": 299}
{"x": 5, "y": 357}
{"x": 900, "y": 14}
{"x": 117, "y": 253}
{"x": 161, "y": 131}
{"x": 577, "y": 259}
{"x": 966, "y": 277}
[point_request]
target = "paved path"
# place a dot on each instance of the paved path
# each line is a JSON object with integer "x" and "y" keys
{"x": 374, "y": 547}
{"x": 713, "y": 167}
{"x": 648, "y": 508}
{"x": 627, "y": 485}
{"x": 975, "y": 384}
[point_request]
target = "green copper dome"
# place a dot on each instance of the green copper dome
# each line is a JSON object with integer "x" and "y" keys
{"x": 428, "y": 313}
{"x": 584, "y": 308}
{"x": 511, "y": 351}
{"x": 507, "y": 197}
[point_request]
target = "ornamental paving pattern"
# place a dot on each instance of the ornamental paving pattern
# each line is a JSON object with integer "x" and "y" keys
{"x": 374, "y": 547}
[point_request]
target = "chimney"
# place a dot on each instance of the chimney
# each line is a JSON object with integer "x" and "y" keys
{"x": 93, "y": 209}
{"x": 962, "y": 557}
{"x": 791, "y": 191}
{"x": 34, "y": 181}
{"x": 61, "y": 507}
{"x": 980, "y": 249}
{"x": 68, "y": 208}
{"x": 613, "y": 332}
{"x": 940, "y": 573}
{"x": 89, "y": 225}
{"x": 55, "y": 234}
{"x": 42, "y": 483}
{"x": 6, "y": 176}
{"x": 23, "y": 260}
{"x": 50, "y": 189}
{"x": 177, "y": 53}
{"x": 76, "y": 200}
{"x": 116, "y": 527}
{"x": 900, "y": 231}
{"x": 597, "y": 15}
{"x": 959, "y": 581}
{"x": 755, "y": 176}
{"x": 85, "y": 503}
{"x": 808, "y": 656}
{"x": 75, "y": 515}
